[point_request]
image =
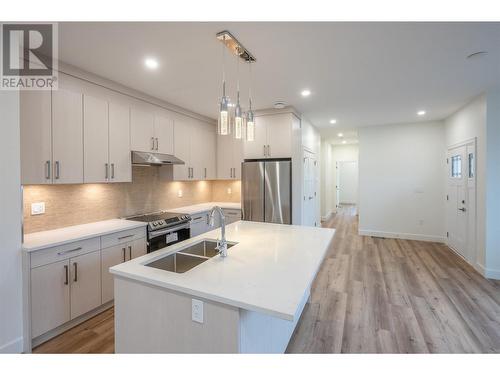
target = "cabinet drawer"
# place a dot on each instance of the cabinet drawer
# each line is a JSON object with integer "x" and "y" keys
{"x": 58, "y": 253}
{"x": 122, "y": 237}
{"x": 231, "y": 215}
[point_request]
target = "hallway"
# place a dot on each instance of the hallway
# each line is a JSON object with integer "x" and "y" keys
{"x": 396, "y": 296}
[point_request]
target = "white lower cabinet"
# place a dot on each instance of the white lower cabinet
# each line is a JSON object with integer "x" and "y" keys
{"x": 114, "y": 255}
{"x": 231, "y": 215}
{"x": 70, "y": 280}
{"x": 200, "y": 223}
{"x": 49, "y": 297}
{"x": 85, "y": 283}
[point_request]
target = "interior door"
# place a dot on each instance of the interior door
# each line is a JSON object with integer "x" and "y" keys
{"x": 67, "y": 137}
{"x": 119, "y": 143}
{"x": 252, "y": 191}
{"x": 457, "y": 200}
{"x": 164, "y": 135}
{"x": 96, "y": 140}
{"x": 141, "y": 130}
{"x": 348, "y": 182}
{"x": 85, "y": 271}
{"x": 309, "y": 199}
{"x": 36, "y": 137}
{"x": 277, "y": 192}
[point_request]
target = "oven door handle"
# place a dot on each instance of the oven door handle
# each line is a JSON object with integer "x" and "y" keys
{"x": 158, "y": 233}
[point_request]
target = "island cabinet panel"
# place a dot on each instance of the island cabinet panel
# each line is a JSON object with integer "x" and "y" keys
{"x": 154, "y": 320}
{"x": 50, "y": 296}
{"x": 85, "y": 283}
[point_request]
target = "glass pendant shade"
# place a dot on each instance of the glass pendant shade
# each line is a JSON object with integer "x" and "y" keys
{"x": 238, "y": 122}
{"x": 250, "y": 127}
{"x": 223, "y": 123}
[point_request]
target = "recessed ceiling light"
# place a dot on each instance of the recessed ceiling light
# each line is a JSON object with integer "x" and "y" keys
{"x": 305, "y": 92}
{"x": 421, "y": 113}
{"x": 151, "y": 63}
{"x": 340, "y": 135}
{"x": 333, "y": 121}
{"x": 344, "y": 142}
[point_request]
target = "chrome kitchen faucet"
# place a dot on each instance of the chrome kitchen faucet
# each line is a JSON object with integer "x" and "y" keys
{"x": 222, "y": 244}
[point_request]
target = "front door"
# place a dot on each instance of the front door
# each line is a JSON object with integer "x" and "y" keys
{"x": 457, "y": 200}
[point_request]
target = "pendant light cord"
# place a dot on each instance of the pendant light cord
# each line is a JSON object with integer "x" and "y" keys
{"x": 224, "y": 66}
{"x": 250, "y": 83}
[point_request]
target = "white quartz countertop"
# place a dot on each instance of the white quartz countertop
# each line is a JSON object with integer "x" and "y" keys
{"x": 203, "y": 207}
{"x": 61, "y": 236}
{"x": 269, "y": 271}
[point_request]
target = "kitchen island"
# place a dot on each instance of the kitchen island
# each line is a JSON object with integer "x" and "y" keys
{"x": 247, "y": 302}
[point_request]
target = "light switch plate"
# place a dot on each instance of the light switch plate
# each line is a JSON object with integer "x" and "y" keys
{"x": 37, "y": 208}
{"x": 197, "y": 310}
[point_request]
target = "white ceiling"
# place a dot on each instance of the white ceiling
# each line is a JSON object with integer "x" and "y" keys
{"x": 359, "y": 73}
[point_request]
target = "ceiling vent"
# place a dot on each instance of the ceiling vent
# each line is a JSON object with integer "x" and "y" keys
{"x": 279, "y": 105}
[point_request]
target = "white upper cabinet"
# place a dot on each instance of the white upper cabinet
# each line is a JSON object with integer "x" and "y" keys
{"x": 96, "y": 139}
{"x": 142, "y": 130}
{"x": 67, "y": 137}
{"x": 257, "y": 149}
{"x": 273, "y": 137}
{"x": 119, "y": 143}
{"x": 195, "y": 145}
{"x": 36, "y": 137}
{"x": 163, "y": 134}
{"x": 229, "y": 157}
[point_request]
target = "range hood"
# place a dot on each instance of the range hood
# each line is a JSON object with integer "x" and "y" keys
{"x": 153, "y": 158}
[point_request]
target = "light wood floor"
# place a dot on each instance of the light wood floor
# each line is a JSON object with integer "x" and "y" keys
{"x": 370, "y": 296}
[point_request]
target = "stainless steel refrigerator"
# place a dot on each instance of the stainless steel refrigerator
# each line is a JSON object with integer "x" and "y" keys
{"x": 267, "y": 191}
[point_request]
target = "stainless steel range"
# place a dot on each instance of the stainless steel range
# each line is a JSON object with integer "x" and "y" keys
{"x": 164, "y": 228}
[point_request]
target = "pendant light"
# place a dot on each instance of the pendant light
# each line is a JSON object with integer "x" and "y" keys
{"x": 238, "y": 115}
{"x": 223, "y": 127}
{"x": 250, "y": 119}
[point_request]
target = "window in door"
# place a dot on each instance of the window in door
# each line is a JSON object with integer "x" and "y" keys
{"x": 472, "y": 169}
{"x": 456, "y": 166}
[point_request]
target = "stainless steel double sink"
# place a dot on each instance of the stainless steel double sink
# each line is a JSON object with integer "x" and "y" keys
{"x": 188, "y": 257}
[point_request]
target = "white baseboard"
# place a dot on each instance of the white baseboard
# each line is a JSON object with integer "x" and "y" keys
{"x": 14, "y": 346}
{"x": 403, "y": 236}
{"x": 488, "y": 272}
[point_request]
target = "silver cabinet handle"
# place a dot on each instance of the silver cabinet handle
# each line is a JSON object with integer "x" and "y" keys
{"x": 265, "y": 150}
{"x": 66, "y": 271}
{"x": 75, "y": 265}
{"x": 57, "y": 167}
{"x": 156, "y": 144}
{"x": 130, "y": 252}
{"x": 69, "y": 251}
{"x": 47, "y": 169}
{"x": 124, "y": 255}
{"x": 113, "y": 170}
{"x": 106, "y": 170}
{"x": 128, "y": 236}
{"x": 152, "y": 143}
{"x": 462, "y": 209}
{"x": 205, "y": 172}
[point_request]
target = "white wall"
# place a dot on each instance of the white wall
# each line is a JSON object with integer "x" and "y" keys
{"x": 401, "y": 174}
{"x": 467, "y": 123}
{"x": 492, "y": 266}
{"x": 11, "y": 313}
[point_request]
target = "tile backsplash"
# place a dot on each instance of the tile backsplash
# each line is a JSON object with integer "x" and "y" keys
{"x": 67, "y": 205}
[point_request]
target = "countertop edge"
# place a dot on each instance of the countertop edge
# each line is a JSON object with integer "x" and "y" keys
{"x": 133, "y": 225}
{"x": 207, "y": 296}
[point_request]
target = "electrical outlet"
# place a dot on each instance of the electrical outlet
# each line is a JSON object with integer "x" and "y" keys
{"x": 37, "y": 208}
{"x": 229, "y": 191}
{"x": 179, "y": 193}
{"x": 197, "y": 310}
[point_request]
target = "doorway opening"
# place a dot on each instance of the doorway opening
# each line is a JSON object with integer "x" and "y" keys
{"x": 461, "y": 200}
{"x": 347, "y": 183}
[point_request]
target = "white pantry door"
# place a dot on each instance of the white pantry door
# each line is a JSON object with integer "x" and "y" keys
{"x": 457, "y": 201}
{"x": 348, "y": 182}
